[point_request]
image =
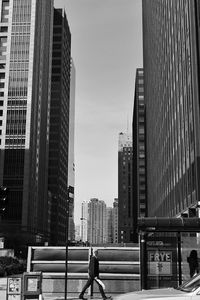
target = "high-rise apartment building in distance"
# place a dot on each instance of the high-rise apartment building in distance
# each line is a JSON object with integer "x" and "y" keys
{"x": 59, "y": 129}
{"x": 115, "y": 221}
{"x": 172, "y": 85}
{"x": 109, "y": 225}
{"x": 96, "y": 222}
{"x": 26, "y": 31}
{"x": 99, "y": 223}
{"x": 77, "y": 232}
{"x": 139, "y": 152}
{"x": 125, "y": 189}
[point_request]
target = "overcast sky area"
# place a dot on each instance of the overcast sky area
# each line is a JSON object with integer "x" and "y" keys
{"x": 106, "y": 49}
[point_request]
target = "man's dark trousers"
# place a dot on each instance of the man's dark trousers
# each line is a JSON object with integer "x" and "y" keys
{"x": 88, "y": 284}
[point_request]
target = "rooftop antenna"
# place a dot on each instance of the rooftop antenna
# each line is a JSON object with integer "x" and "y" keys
{"x": 127, "y": 129}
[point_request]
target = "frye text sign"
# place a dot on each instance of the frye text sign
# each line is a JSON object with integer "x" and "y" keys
{"x": 160, "y": 263}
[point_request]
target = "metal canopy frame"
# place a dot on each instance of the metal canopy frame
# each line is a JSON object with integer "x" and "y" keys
{"x": 158, "y": 224}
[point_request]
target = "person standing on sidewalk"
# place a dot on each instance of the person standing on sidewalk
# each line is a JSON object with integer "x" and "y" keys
{"x": 193, "y": 262}
{"x": 94, "y": 276}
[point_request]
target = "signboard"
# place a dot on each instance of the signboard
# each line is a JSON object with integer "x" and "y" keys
{"x": 32, "y": 284}
{"x": 14, "y": 297}
{"x": 14, "y": 285}
{"x": 160, "y": 263}
{"x": 161, "y": 260}
{"x": 14, "y": 288}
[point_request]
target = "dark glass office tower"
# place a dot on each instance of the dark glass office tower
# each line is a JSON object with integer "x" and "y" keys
{"x": 171, "y": 80}
{"x": 26, "y": 29}
{"x": 71, "y": 164}
{"x": 139, "y": 152}
{"x": 125, "y": 189}
{"x": 59, "y": 127}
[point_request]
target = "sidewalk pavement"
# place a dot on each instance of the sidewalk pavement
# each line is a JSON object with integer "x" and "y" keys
{"x": 76, "y": 298}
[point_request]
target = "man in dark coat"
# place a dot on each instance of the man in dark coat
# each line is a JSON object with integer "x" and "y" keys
{"x": 94, "y": 276}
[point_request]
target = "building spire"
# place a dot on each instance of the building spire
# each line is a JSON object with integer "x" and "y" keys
{"x": 127, "y": 128}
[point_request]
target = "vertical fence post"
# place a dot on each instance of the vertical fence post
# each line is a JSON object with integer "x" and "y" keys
{"x": 143, "y": 261}
{"x": 90, "y": 292}
{"x": 179, "y": 259}
{"x": 66, "y": 241}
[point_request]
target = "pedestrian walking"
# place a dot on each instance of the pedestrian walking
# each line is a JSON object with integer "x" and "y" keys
{"x": 193, "y": 263}
{"x": 94, "y": 276}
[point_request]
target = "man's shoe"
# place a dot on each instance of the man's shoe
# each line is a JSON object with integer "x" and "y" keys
{"x": 81, "y": 297}
{"x": 109, "y": 297}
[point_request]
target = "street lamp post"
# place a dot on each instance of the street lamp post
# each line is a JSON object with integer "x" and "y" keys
{"x": 83, "y": 228}
{"x": 143, "y": 260}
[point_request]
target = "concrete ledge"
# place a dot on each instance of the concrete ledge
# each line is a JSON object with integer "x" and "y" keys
{"x": 55, "y": 285}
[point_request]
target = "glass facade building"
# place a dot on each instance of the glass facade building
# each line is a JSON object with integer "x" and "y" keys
{"x": 171, "y": 80}
{"x": 59, "y": 129}
{"x": 25, "y": 85}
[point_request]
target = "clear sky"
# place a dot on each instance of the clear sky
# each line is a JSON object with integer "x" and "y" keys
{"x": 106, "y": 49}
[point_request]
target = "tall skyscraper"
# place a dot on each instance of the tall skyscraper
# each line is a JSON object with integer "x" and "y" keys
{"x": 171, "y": 80}
{"x": 125, "y": 189}
{"x": 25, "y": 90}
{"x": 139, "y": 152}
{"x": 59, "y": 129}
{"x": 96, "y": 222}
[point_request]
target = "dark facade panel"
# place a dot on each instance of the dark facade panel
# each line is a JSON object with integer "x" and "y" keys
{"x": 59, "y": 128}
{"x": 125, "y": 190}
{"x": 171, "y": 52}
{"x": 139, "y": 152}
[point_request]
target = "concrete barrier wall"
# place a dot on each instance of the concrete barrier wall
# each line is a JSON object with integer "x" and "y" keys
{"x": 119, "y": 269}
